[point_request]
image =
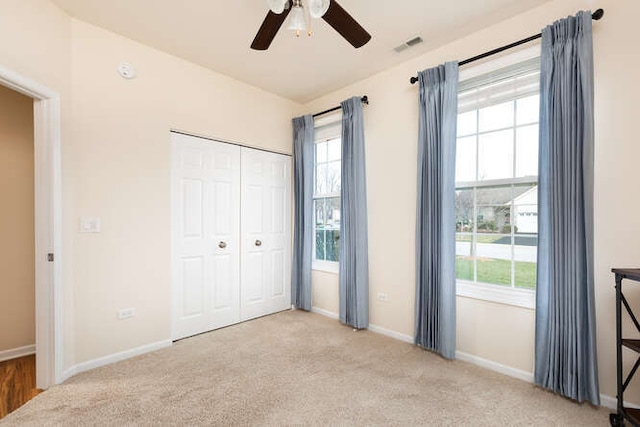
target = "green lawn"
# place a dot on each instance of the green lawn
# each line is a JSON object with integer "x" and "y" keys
{"x": 497, "y": 271}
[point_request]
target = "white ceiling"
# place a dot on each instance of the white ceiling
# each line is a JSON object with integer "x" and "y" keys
{"x": 217, "y": 34}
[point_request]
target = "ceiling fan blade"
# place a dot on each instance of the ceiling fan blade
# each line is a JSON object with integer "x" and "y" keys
{"x": 269, "y": 29}
{"x": 344, "y": 24}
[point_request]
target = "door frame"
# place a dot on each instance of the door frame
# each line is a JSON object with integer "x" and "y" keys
{"x": 48, "y": 225}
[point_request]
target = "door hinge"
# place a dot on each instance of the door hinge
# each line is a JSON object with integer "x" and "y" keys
{"x": 50, "y": 257}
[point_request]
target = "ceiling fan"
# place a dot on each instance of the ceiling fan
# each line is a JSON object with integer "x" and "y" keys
{"x": 329, "y": 10}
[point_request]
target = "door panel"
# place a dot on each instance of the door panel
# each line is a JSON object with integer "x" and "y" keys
{"x": 277, "y": 260}
{"x": 253, "y": 287}
{"x": 206, "y": 211}
{"x": 192, "y": 286}
{"x": 222, "y": 269}
{"x": 266, "y": 201}
{"x": 252, "y": 203}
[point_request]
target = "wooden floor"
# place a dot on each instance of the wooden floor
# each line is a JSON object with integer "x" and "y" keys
{"x": 17, "y": 383}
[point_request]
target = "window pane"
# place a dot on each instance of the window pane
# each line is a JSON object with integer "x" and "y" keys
{"x": 320, "y": 214}
{"x": 496, "y": 117}
{"x": 327, "y": 228}
{"x": 334, "y": 150}
{"x": 320, "y": 246}
{"x": 525, "y": 256}
{"x": 321, "y": 178}
{"x": 495, "y": 155}
{"x": 321, "y": 152}
{"x": 467, "y": 123}
{"x": 464, "y": 211}
{"x": 466, "y": 159}
{"x": 333, "y": 245}
{"x": 464, "y": 235}
{"x": 527, "y": 151}
{"x": 525, "y": 213}
{"x": 493, "y": 249}
{"x": 464, "y": 268}
{"x": 528, "y": 110}
{"x": 495, "y": 271}
{"x": 333, "y": 177}
{"x": 333, "y": 212}
{"x": 525, "y": 273}
{"x": 525, "y": 209}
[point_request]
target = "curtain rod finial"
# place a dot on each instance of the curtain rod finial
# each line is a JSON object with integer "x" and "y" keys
{"x": 365, "y": 99}
{"x": 598, "y": 14}
{"x": 413, "y": 80}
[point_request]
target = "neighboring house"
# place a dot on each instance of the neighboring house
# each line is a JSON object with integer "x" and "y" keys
{"x": 525, "y": 211}
{"x": 494, "y": 209}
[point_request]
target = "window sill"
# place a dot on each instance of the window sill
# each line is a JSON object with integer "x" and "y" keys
{"x": 524, "y": 298}
{"x": 326, "y": 266}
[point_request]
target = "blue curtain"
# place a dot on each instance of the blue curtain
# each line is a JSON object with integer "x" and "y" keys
{"x": 303, "y": 152}
{"x": 565, "y": 315}
{"x": 354, "y": 258}
{"x": 435, "y": 327}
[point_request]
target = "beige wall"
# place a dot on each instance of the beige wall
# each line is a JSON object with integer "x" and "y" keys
{"x": 500, "y": 333}
{"x": 121, "y": 151}
{"x": 17, "y": 269}
{"x": 35, "y": 41}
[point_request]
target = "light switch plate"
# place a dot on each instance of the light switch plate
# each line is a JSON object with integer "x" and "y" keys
{"x": 89, "y": 225}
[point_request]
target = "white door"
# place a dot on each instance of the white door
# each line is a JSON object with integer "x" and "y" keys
{"x": 266, "y": 233}
{"x": 206, "y": 235}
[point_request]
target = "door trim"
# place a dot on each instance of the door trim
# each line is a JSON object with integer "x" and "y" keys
{"x": 48, "y": 224}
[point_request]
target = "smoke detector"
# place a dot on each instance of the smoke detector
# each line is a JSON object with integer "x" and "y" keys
{"x": 126, "y": 70}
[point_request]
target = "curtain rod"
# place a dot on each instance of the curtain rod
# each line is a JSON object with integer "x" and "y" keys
{"x": 597, "y": 15}
{"x": 364, "y": 99}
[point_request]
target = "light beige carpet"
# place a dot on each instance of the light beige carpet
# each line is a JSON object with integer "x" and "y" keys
{"x": 298, "y": 368}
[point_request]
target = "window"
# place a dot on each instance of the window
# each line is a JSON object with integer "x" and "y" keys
{"x": 326, "y": 196}
{"x": 497, "y": 183}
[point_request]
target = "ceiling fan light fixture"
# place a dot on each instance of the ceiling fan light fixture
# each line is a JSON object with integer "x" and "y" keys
{"x": 277, "y": 6}
{"x": 297, "y": 21}
{"x": 317, "y": 8}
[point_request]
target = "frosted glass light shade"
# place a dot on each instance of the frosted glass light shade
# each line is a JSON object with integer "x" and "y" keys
{"x": 317, "y": 8}
{"x": 277, "y": 6}
{"x": 296, "y": 20}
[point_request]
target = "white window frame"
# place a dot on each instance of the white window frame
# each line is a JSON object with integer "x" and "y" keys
{"x": 525, "y": 298}
{"x": 332, "y": 120}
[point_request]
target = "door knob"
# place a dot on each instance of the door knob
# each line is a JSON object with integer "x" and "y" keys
{"x": 222, "y": 245}
{"x": 258, "y": 243}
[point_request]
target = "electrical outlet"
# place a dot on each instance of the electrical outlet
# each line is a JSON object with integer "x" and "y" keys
{"x": 126, "y": 313}
{"x": 383, "y": 296}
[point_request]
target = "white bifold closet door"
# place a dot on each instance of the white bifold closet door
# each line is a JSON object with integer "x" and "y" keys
{"x": 231, "y": 221}
{"x": 266, "y": 227}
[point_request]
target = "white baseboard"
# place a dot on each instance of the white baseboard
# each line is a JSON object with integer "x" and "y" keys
{"x": 14, "y": 353}
{"x": 393, "y": 334}
{"x": 609, "y": 402}
{"x": 112, "y": 358}
{"x": 372, "y": 328}
{"x": 495, "y": 366}
{"x": 324, "y": 312}
{"x": 612, "y": 403}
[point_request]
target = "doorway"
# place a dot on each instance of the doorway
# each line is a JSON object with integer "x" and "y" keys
{"x": 47, "y": 225}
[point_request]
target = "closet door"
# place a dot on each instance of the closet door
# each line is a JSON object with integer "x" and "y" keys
{"x": 206, "y": 235}
{"x": 266, "y": 233}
